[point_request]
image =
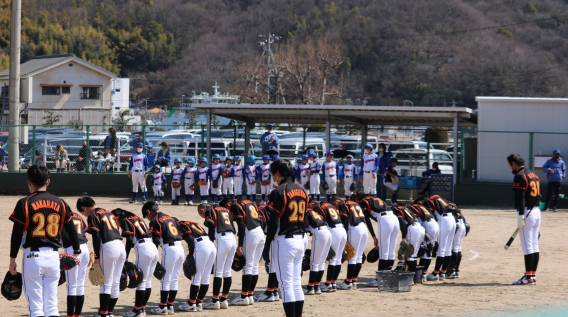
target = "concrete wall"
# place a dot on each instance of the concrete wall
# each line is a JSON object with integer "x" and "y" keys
{"x": 77, "y": 75}
{"x": 87, "y": 116}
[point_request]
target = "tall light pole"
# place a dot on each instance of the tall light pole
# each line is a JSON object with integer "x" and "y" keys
{"x": 14, "y": 74}
{"x": 265, "y": 43}
{"x": 181, "y": 102}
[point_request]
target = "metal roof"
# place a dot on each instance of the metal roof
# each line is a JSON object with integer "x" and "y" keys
{"x": 338, "y": 114}
{"x": 42, "y": 63}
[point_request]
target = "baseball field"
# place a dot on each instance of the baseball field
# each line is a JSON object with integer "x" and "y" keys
{"x": 483, "y": 289}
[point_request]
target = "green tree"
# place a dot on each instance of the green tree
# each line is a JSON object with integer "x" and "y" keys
{"x": 121, "y": 121}
{"x": 50, "y": 118}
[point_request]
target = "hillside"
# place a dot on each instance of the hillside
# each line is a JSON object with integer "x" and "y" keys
{"x": 429, "y": 52}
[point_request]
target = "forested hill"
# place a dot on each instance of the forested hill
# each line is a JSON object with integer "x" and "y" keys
{"x": 424, "y": 51}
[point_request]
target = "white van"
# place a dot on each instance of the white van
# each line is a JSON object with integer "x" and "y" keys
{"x": 401, "y": 145}
{"x": 292, "y": 148}
{"x": 353, "y": 142}
{"x": 415, "y": 162}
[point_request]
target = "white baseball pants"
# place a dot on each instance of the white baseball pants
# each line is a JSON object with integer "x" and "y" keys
{"x": 172, "y": 261}
{"x": 204, "y": 189}
{"x": 226, "y": 248}
{"x": 369, "y": 183}
{"x": 176, "y": 192}
{"x": 158, "y": 192}
{"x": 76, "y": 276}
{"x": 358, "y": 237}
{"x": 228, "y": 186}
{"x": 146, "y": 259}
{"x": 338, "y": 239}
{"x": 251, "y": 189}
{"x": 40, "y": 279}
{"x": 388, "y": 230}
{"x": 415, "y": 235}
{"x": 138, "y": 178}
{"x": 287, "y": 256}
{"x": 238, "y": 185}
{"x": 304, "y": 180}
{"x": 432, "y": 228}
{"x": 321, "y": 242}
{"x": 253, "y": 245}
{"x": 447, "y": 224}
{"x": 390, "y": 186}
{"x": 265, "y": 190}
{"x": 187, "y": 184}
{"x": 204, "y": 256}
{"x": 458, "y": 237}
{"x": 332, "y": 183}
{"x": 529, "y": 234}
{"x": 217, "y": 190}
{"x": 348, "y": 181}
{"x": 112, "y": 257}
{"x": 315, "y": 184}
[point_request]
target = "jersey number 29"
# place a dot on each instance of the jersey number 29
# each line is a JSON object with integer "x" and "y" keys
{"x": 298, "y": 211}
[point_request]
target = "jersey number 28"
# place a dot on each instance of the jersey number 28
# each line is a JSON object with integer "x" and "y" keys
{"x": 52, "y": 226}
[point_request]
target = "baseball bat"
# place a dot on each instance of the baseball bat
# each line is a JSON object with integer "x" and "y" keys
{"x": 514, "y": 235}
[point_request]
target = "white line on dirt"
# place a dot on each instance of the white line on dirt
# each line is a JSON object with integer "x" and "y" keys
{"x": 475, "y": 255}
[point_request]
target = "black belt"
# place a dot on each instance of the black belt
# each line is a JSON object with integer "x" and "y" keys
{"x": 199, "y": 239}
{"x": 367, "y": 171}
{"x": 36, "y": 249}
{"x": 445, "y": 214}
{"x": 304, "y": 175}
{"x": 347, "y": 176}
{"x": 223, "y": 234}
{"x": 171, "y": 244}
{"x": 142, "y": 240}
{"x": 331, "y": 176}
{"x": 138, "y": 171}
{"x": 291, "y": 236}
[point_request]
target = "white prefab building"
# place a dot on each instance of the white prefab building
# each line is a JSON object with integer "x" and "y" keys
{"x": 532, "y": 127}
{"x": 75, "y": 89}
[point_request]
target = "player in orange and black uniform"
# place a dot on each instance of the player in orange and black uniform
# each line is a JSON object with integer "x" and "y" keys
{"x": 221, "y": 229}
{"x": 428, "y": 221}
{"x": 109, "y": 250}
{"x": 250, "y": 222}
{"x": 38, "y": 221}
{"x": 411, "y": 231}
{"x": 335, "y": 223}
{"x": 75, "y": 277}
{"x": 526, "y": 186}
{"x": 287, "y": 227}
{"x": 137, "y": 235}
{"x": 357, "y": 236}
{"x": 203, "y": 251}
{"x": 165, "y": 232}
{"x": 321, "y": 242}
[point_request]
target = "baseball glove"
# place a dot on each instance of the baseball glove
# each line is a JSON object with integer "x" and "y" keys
{"x": 91, "y": 259}
{"x": 189, "y": 268}
{"x": 405, "y": 250}
{"x": 306, "y": 260}
{"x": 225, "y": 173}
{"x": 176, "y": 185}
{"x": 67, "y": 261}
{"x": 202, "y": 183}
{"x": 350, "y": 251}
{"x": 194, "y": 186}
{"x": 421, "y": 251}
{"x": 352, "y": 187}
{"x": 373, "y": 255}
{"x": 62, "y": 278}
{"x": 307, "y": 185}
{"x": 215, "y": 183}
{"x": 265, "y": 183}
{"x": 96, "y": 276}
{"x": 325, "y": 186}
{"x": 330, "y": 254}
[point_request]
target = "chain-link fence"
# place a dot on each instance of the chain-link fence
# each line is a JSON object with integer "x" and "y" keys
{"x": 483, "y": 153}
{"x": 81, "y": 148}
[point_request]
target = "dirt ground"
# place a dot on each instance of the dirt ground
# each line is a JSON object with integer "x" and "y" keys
{"x": 483, "y": 289}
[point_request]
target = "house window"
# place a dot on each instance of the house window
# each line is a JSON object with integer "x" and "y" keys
{"x": 65, "y": 90}
{"x": 90, "y": 93}
{"x": 49, "y": 90}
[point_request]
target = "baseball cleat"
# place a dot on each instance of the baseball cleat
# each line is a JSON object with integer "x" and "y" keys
{"x": 186, "y": 203}
{"x": 344, "y": 287}
{"x": 159, "y": 311}
{"x": 143, "y": 201}
{"x": 132, "y": 201}
{"x": 240, "y": 301}
{"x": 442, "y": 276}
{"x": 188, "y": 307}
{"x": 170, "y": 310}
{"x": 433, "y": 277}
{"x": 264, "y": 298}
{"x": 525, "y": 281}
{"x": 327, "y": 288}
{"x": 134, "y": 313}
{"x": 334, "y": 287}
{"x": 372, "y": 283}
{"x": 160, "y": 202}
{"x": 251, "y": 300}
{"x": 309, "y": 291}
{"x": 224, "y": 304}
{"x": 354, "y": 285}
{"x": 318, "y": 291}
{"x": 277, "y": 296}
{"x": 190, "y": 203}
{"x": 453, "y": 275}
{"x": 212, "y": 306}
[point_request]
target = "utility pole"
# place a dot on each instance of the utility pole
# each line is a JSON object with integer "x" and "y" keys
{"x": 14, "y": 74}
{"x": 265, "y": 43}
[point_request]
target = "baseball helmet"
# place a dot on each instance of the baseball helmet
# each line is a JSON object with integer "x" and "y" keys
{"x": 251, "y": 159}
{"x": 216, "y": 156}
{"x": 299, "y": 160}
{"x": 238, "y": 263}
{"x": 238, "y": 158}
{"x": 306, "y": 260}
{"x": 203, "y": 159}
{"x": 62, "y": 278}
{"x": 304, "y": 157}
{"x": 373, "y": 255}
{"x": 177, "y": 160}
{"x": 313, "y": 154}
{"x": 159, "y": 271}
{"x": 228, "y": 158}
{"x": 123, "y": 280}
{"x": 330, "y": 153}
{"x": 467, "y": 228}
{"x": 12, "y": 286}
{"x": 135, "y": 275}
{"x": 139, "y": 145}
{"x": 265, "y": 157}
{"x": 157, "y": 167}
{"x": 191, "y": 160}
{"x": 275, "y": 157}
{"x": 368, "y": 146}
{"x": 349, "y": 156}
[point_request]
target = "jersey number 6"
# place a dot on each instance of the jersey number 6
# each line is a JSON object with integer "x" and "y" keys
{"x": 298, "y": 211}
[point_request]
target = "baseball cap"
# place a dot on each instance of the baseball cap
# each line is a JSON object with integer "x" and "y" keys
{"x": 275, "y": 157}
{"x": 368, "y": 146}
{"x": 330, "y": 153}
{"x": 557, "y": 151}
{"x": 270, "y": 125}
{"x": 313, "y": 155}
{"x": 350, "y": 156}
{"x": 139, "y": 145}
{"x": 304, "y": 157}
